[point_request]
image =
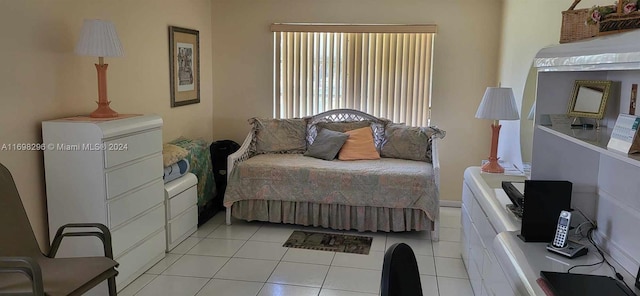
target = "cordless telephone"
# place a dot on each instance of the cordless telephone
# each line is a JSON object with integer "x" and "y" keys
{"x": 561, "y": 244}
{"x": 562, "y": 231}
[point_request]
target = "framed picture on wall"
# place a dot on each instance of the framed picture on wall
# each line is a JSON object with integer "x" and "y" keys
{"x": 184, "y": 66}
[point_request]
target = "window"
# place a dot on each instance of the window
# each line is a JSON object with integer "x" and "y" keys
{"x": 384, "y": 70}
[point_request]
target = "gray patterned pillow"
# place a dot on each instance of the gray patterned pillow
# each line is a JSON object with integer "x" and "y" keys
{"x": 327, "y": 144}
{"x": 343, "y": 126}
{"x": 279, "y": 135}
{"x": 406, "y": 142}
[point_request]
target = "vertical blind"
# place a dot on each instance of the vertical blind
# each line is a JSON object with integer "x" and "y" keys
{"x": 384, "y": 73}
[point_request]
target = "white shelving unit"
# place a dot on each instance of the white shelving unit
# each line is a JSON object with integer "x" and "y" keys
{"x": 596, "y": 140}
{"x": 606, "y": 184}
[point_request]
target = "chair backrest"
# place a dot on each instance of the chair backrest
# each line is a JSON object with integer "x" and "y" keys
{"x": 400, "y": 275}
{"x": 16, "y": 234}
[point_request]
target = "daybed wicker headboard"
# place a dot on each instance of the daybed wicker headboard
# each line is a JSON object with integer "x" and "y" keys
{"x": 346, "y": 115}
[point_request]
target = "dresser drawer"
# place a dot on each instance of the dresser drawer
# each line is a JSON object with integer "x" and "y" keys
{"x": 475, "y": 278}
{"x": 182, "y": 225}
{"x": 131, "y": 233}
{"x": 467, "y": 195}
{"x": 122, "y": 209}
{"x": 121, "y": 150}
{"x": 124, "y": 179}
{"x": 476, "y": 249}
{"x": 486, "y": 231}
{"x": 466, "y": 234}
{"x": 182, "y": 202}
{"x": 139, "y": 259}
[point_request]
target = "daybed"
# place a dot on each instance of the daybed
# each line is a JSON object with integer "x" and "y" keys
{"x": 387, "y": 194}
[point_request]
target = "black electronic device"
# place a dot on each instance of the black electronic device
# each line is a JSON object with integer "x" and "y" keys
{"x": 571, "y": 284}
{"x": 543, "y": 203}
{"x": 516, "y": 197}
{"x": 513, "y": 193}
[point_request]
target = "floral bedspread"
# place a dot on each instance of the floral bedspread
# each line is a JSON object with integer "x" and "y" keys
{"x": 387, "y": 182}
{"x": 200, "y": 165}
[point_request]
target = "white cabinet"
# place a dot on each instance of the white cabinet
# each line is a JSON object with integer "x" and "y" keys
{"x": 181, "y": 198}
{"x": 109, "y": 172}
{"x": 605, "y": 183}
{"x": 483, "y": 216}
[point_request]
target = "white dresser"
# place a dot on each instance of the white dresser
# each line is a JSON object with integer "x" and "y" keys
{"x": 110, "y": 172}
{"x": 484, "y": 216}
{"x": 497, "y": 261}
{"x": 181, "y": 199}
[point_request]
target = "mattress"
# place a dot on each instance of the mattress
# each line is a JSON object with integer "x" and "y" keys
{"x": 385, "y": 183}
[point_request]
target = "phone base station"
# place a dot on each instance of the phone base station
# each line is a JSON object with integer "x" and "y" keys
{"x": 571, "y": 250}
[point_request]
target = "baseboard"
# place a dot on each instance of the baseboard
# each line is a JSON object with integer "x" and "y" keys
{"x": 451, "y": 203}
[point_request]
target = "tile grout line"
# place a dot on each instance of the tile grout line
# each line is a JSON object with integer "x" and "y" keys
{"x": 272, "y": 271}
{"x": 205, "y": 284}
{"x": 141, "y": 288}
{"x": 327, "y": 274}
{"x": 238, "y": 250}
{"x": 435, "y": 267}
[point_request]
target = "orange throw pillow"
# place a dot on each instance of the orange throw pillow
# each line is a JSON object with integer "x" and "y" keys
{"x": 359, "y": 145}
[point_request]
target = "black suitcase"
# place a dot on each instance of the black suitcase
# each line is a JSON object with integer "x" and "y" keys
{"x": 220, "y": 150}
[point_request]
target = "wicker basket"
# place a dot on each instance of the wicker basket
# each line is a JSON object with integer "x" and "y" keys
{"x": 574, "y": 24}
{"x": 619, "y": 22}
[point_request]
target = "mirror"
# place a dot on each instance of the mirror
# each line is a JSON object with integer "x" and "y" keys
{"x": 589, "y": 98}
{"x": 527, "y": 123}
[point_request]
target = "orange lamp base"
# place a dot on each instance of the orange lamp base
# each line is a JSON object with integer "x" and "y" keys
{"x": 492, "y": 167}
{"x": 103, "y": 111}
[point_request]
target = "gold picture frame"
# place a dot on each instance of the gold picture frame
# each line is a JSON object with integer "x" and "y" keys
{"x": 184, "y": 66}
{"x": 589, "y": 98}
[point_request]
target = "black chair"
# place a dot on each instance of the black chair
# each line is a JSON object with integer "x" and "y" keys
{"x": 400, "y": 275}
{"x": 25, "y": 270}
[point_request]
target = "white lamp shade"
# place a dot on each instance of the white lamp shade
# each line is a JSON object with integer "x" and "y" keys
{"x": 498, "y": 103}
{"x": 98, "y": 38}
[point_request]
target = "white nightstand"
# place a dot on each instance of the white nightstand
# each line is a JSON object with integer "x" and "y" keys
{"x": 180, "y": 198}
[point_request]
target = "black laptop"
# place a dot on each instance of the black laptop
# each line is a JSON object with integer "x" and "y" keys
{"x": 571, "y": 284}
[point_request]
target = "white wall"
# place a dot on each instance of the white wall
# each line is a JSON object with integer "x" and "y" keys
{"x": 528, "y": 26}
{"x": 465, "y": 59}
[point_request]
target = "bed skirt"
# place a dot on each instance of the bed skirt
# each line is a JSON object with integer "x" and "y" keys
{"x": 341, "y": 217}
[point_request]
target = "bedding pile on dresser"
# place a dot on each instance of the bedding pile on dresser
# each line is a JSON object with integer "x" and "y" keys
{"x": 196, "y": 160}
{"x": 174, "y": 161}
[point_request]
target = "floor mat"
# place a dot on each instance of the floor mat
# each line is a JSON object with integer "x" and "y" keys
{"x": 331, "y": 242}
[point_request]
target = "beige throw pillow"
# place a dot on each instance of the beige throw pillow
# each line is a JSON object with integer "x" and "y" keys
{"x": 172, "y": 154}
{"x": 359, "y": 145}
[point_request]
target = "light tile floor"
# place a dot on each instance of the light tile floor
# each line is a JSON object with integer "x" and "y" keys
{"x": 248, "y": 259}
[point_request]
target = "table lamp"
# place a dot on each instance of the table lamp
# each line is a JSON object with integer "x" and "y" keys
{"x": 98, "y": 38}
{"x": 497, "y": 103}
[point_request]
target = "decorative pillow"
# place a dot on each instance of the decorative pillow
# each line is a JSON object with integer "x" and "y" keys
{"x": 327, "y": 144}
{"x": 279, "y": 135}
{"x": 406, "y": 142}
{"x": 343, "y": 126}
{"x": 172, "y": 154}
{"x": 359, "y": 145}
